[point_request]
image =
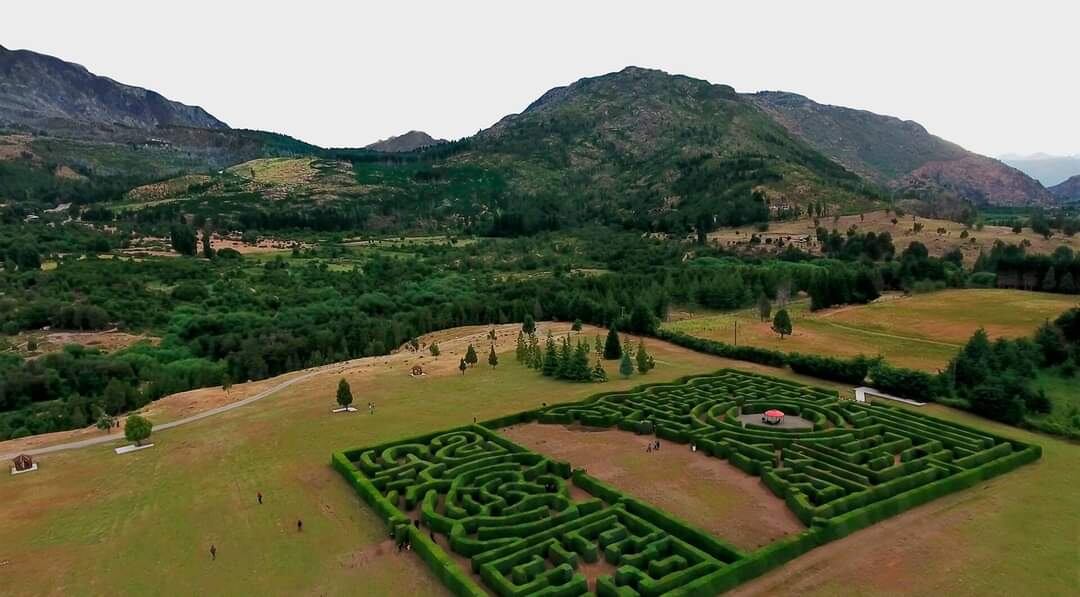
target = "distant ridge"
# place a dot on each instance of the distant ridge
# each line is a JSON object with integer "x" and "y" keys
{"x": 1047, "y": 169}
{"x": 1068, "y": 190}
{"x": 43, "y": 93}
{"x": 410, "y": 141}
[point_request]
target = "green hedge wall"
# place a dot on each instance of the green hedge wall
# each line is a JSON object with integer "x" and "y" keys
{"x": 850, "y": 371}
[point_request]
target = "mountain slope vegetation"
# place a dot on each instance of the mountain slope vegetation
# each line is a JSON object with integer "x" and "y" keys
{"x": 901, "y": 153}
{"x": 45, "y": 93}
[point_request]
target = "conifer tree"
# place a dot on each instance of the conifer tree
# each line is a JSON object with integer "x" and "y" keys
{"x": 782, "y": 323}
{"x": 344, "y": 393}
{"x": 493, "y": 359}
{"x": 551, "y": 358}
{"x": 1067, "y": 285}
{"x": 612, "y": 348}
{"x": 579, "y": 370}
{"x": 1049, "y": 283}
{"x": 529, "y": 325}
{"x": 536, "y": 358}
{"x": 470, "y": 356}
{"x": 522, "y": 350}
{"x": 598, "y": 373}
{"x": 598, "y": 345}
{"x": 565, "y": 360}
{"x": 764, "y": 307}
{"x": 626, "y": 366}
{"x": 644, "y": 359}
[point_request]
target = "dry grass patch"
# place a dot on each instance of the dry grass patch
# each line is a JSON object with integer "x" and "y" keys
{"x": 707, "y": 492}
{"x": 903, "y": 234}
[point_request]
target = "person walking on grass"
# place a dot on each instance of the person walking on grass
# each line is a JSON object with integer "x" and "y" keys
{"x": 259, "y": 497}
{"x": 299, "y": 525}
{"x": 213, "y": 552}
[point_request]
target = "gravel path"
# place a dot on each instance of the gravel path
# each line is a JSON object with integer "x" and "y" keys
{"x": 104, "y": 439}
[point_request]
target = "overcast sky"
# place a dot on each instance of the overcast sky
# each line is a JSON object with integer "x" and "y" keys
{"x": 995, "y": 77}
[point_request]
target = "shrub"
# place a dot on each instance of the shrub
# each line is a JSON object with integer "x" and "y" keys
{"x": 852, "y": 371}
{"x": 136, "y": 429}
{"x": 905, "y": 383}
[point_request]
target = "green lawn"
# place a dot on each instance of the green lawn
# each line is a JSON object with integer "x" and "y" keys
{"x": 90, "y": 522}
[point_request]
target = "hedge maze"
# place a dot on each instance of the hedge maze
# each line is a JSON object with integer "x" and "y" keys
{"x": 507, "y": 515}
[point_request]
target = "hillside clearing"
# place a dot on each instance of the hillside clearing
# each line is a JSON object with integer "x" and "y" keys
{"x": 903, "y": 234}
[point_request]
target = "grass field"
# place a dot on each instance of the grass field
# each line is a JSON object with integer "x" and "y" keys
{"x": 91, "y": 522}
{"x": 921, "y": 331}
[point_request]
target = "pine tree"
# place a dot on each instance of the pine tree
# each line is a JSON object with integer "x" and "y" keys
{"x": 1049, "y": 283}
{"x": 598, "y": 346}
{"x": 551, "y": 358}
{"x": 434, "y": 348}
{"x": 535, "y": 358}
{"x": 579, "y": 370}
{"x": 576, "y": 326}
{"x": 644, "y": 360}
{"x": 764, "y": 307}
{"x": 598, "y": 373}
{"x": 529, "y": 325}
{"x": 565, "y": 360}
{"x": 521, "y": 351}
{"x": 493, "y": 359}
{"x": 1067, "y": 285}
{"x": 612, "y": 348}
{"x": 344, "y": 393}
{"x": 626, "y": 366}
{"x": 782, "y": 323}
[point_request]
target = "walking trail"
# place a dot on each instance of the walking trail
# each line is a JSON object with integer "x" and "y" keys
{"x": 104, "y": 439}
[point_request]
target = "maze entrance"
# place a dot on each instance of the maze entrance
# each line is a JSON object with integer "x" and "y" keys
{"x": 524, "y": 523}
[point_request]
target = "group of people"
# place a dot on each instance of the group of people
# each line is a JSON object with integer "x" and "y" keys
{"x": 404, "y": 543}
{"x": 371, "y": 408}
{"x": 653, "y": 446}
{"x": 259, "y": 498}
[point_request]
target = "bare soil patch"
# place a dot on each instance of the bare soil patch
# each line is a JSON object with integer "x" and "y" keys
{"x": 706, "y": 492}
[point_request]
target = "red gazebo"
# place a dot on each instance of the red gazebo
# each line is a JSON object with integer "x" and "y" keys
{"x": 773, "y": 416}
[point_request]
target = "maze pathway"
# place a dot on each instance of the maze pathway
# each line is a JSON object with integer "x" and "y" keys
{"x": 510, "y": 514}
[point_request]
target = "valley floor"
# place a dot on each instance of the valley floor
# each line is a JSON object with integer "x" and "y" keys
{"x": 90, "y": 522}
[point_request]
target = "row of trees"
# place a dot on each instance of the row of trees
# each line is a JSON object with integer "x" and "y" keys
{"x": 994, "y": 379}
{"x": 563, "y": 359}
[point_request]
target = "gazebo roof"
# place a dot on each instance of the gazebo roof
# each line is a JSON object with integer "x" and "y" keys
{"x": 774, "y": 413}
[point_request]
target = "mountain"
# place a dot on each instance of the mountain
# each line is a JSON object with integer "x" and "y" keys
{"x": 900, "y": 154}
{"x": 410, "y": 141}
{"x": 44, "y": 93}
{"x": 1047, "y": 169}
{"x": 67, "y": 134}
{"x": 1068, "y": 190}
{"x": 656, "y": 150}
